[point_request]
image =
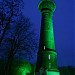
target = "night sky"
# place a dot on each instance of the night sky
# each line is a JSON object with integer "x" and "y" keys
{"x": 63, "y": 21}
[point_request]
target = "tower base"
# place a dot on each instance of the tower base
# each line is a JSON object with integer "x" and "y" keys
{"x": 52, "y": 73}
{"x": 47, "y": 73}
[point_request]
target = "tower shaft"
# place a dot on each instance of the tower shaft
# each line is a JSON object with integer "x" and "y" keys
{"x": 46, "y": 36}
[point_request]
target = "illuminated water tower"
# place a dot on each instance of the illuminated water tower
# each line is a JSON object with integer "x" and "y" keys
{"x": 47, "y": 56}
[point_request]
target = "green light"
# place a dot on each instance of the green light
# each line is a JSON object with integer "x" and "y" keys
{"x": 52, "y": 73}
{"x": 23, "y": 68}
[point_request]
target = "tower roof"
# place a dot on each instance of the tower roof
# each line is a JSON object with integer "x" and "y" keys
{"x": 47, "y": 4}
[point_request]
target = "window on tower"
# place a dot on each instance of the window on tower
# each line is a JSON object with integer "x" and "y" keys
{"x": 49, "y": 57}
{"x": 44, "y": 47}
{"x": 49, "y": 65}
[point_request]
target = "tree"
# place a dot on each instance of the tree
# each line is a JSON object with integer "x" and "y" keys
{"x": 9, "y": 12}
{"x": 67, "y": 70}
{"x": 17, "y": 37}
{"x": 23, "y": 40}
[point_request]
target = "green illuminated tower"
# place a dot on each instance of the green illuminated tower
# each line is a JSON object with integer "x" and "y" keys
{"x": 47, "y": 56}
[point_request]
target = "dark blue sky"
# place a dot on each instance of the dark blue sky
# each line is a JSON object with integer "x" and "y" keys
{"x": 63, "y": 20}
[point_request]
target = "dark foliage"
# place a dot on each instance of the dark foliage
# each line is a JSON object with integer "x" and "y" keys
{"x": 16, "y": 65}
{"x": 67, "y": 70}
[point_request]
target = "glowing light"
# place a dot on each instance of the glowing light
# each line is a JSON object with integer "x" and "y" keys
{"x": 52, "y": 73}
{"x": 44, "y": 47}
{"x": 23, "y": 68}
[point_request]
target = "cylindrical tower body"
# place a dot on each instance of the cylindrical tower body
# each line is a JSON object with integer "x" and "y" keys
{"x": 46, "y": 36}
{"x": 47, "y": 56}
